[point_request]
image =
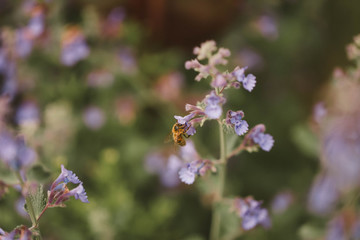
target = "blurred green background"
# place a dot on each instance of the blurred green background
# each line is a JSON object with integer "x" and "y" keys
{"x": 292, "y": 47}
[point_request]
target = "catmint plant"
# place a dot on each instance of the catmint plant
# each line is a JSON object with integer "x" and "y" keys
{"x": 191, "y": 165}
{"x": 19, "y": 158}
{"x": 335, "y": 191}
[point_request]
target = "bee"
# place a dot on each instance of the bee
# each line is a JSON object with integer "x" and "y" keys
{"x": 179, "y": 132}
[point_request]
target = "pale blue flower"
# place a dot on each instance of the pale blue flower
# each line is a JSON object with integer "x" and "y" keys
{"x": 65, "y": 176}
{"x": 78, "y": 193}
{"x": 187, "y": 174}
{"x": 248, "y": 81}
{"x": 235, "y": 119}
{"x": 252, "y": 214}
{"x": 336, "y": 229}
{"x": 265, "y": 141}
{"x": 213, "y": 109}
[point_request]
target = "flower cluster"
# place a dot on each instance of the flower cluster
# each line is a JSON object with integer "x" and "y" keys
{"x": 211, "y": 108}
{"x": 59, "y": 192}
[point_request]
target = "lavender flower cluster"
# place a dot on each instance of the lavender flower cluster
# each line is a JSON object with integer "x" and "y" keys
{"x": 336, "y": 122}
{"x": 189, "y": 165}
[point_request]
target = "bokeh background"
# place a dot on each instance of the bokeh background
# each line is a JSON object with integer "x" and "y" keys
{"x": 104, "y": 115}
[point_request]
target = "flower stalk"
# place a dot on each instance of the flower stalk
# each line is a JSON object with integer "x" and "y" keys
{"x": 216, "y": 218}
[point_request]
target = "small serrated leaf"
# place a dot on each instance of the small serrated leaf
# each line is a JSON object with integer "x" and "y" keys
{"x": 38, "y": 201}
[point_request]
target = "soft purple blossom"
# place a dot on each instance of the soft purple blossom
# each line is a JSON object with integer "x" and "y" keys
{"x": 14, "y": 152}
{"x": 248, "y": 82}
{"x": 19, "y": 206}
{"x": 183, "y": 120}
{"x": 94, "y": 117}
{"x": 219, "y": 81}
{"x": 265, "y": 141}
{"x": 267, "y": 26}
{"x": 251, "y": 213}
{"x": 187, "y": 174}
{"x": 28, "y": 112}
{"x": 319, "y": 112}
{"x": 213, "y": 108}
{"x": 65, "y": 176}
{"x": 323, "y": 195}
{"x": 78, "y": 193}
{"x": 2, "y": 232}
{"x": 235, "y": 119}
{"x": 127, "y": 60}
{"x": 74, "y": 47}
{"x": 116, "y": 16}
{"x": 281, "y": 202}
{"x": 23, "y": 43}
{"x": 336, "y": 229}
{"x": 204, "y": 70}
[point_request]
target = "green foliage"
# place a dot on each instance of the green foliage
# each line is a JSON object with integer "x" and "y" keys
{"x": 38, "y": 200}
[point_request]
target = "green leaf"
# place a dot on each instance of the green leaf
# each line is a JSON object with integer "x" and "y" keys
{"x": 38, "y": 201}
{"x": 39, "y": 174}
{"x": 305, "y": 140}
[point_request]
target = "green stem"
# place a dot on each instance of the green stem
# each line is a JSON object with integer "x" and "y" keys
{"x": 216, "y": 218}
{"x": 28, "y": 201}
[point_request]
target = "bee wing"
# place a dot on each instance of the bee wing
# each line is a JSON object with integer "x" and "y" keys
{"x": 169, "y": 138}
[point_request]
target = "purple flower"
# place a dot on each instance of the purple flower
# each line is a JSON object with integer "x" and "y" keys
{"x": 2, "y": 232}
{"x": 65, "y": 176}
{"x": 94, "y": 117}
{"x": 78, "y": 193}
{"x": 15, "y": 153}
{"x": 213, "y": 109}
{"x": 23, "y": 43}
{"x": 28, "y": 112}
{"x": 281, "y": 202}
{"x": 36, "y": 25}
{"x": 265, "y": 141}
{"x": 187, "y": 174}
{"x": 184, "y": 120}
{"x": 219, "y": 81}
{"x": 248, "y": 81}
{"x": 251, "y": 213}
{"x": 323, "y": 195}
{"x": 127, "y": 60}
{"x": 235, "y": 119}
{"x": 336, "y": 229}
{"x": 74, "y": 47}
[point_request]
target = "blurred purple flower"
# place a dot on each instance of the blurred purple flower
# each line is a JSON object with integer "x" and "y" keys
{"x": 267, "y": 26}
{"x": 219, "y": 81}
{"x": 249, "y": 57}
{"x": 187, "y": 174}
{"x": 251, "y": 213}
{"x": 323, "y": 195}
{"x": 235, "y": 120}
{"x": 28, "y": 112}
{"x": 73, "y": 46}
{"x": 20, "y": 209}
{"x": 117, "y": 15}
{"x": 94, "y": 118}
{"x": 2, "y": 232}
{"x": 127, "y": 60}
{"x": 336, "y": 229}
{"x": 213, "y": 108}
{"x": 281, "y": 202}
{"x": 319, "y": 112}
{"x": 23, "y": 43}
{"x": 14, "y": 152}
{"x": 36, "y": 25}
